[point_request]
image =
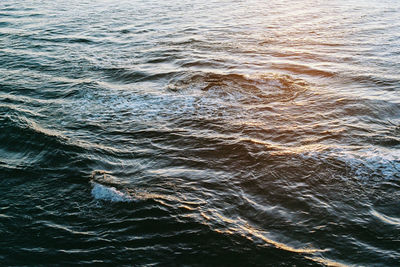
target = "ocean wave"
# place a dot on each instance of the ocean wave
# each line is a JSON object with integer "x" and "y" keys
{"x": 364, "y": 163}
{"x": 268, "y": 87}
{"x": 108, "y": 193}
{"x": 125, "y": 75}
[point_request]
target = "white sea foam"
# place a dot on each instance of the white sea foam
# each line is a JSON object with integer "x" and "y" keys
{"x": 374, "y": 161}
{"x": 380, "y": 161}
{"x": 109, "y": 193}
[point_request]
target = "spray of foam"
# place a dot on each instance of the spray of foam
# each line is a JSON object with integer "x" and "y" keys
{"x": 102, "y": 192}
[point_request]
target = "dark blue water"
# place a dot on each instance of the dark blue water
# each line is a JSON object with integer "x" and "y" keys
{"x": 200, "y": 133}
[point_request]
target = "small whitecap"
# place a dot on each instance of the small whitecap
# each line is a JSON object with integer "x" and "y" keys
{"x": 102, "y": 192}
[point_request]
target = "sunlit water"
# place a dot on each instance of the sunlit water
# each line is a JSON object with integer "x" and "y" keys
{"x": 233, "y": 133}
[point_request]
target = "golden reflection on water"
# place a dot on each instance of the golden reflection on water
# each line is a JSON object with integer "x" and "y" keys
{"x": 192, "y": 96}
{"x": 243, "y": 228}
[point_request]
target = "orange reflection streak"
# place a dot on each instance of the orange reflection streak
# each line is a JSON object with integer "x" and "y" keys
{"x": 249, "y": 232}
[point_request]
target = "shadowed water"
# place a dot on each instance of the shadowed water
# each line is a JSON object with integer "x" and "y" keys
{"x": 200, "y": 133}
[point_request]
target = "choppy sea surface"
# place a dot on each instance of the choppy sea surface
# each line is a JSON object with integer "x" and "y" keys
{"x": 200, "y": 133}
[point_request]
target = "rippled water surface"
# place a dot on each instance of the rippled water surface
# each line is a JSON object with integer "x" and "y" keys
{"x": 200, "y": 133}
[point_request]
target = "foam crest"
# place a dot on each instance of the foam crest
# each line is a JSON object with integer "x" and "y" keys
{"x": 365, "y": 163}
{"x": 382, "y": 162}
{"x": 108, "y": 193}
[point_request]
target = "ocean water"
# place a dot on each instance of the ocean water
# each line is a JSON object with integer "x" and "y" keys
{"x": 200, "y": 133}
